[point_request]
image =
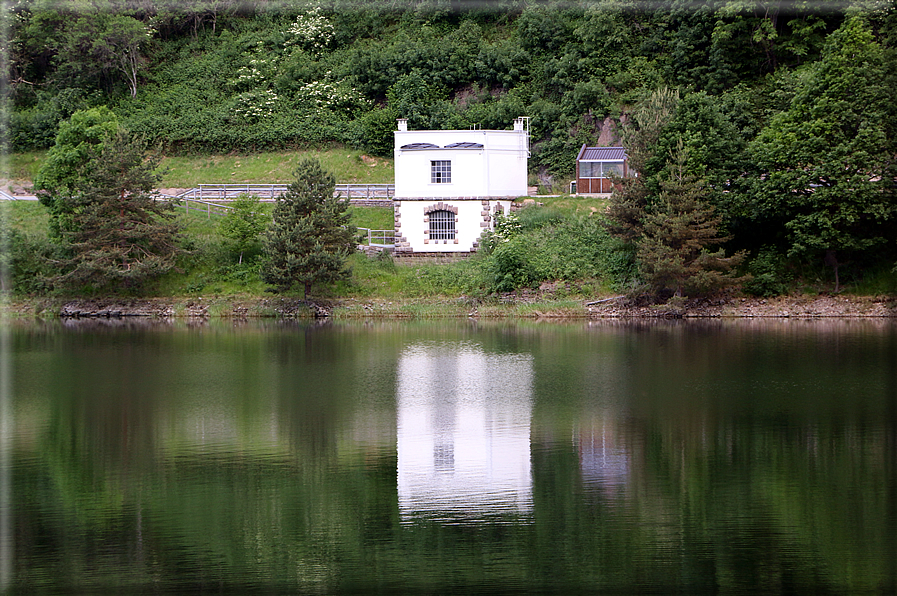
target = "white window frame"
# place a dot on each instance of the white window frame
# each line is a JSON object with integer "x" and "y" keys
{"x": 600, "y": 166}
{"x": 441, "y": 171}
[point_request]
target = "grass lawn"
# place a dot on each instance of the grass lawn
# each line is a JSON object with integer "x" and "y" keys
{"x": 24, "y": 166}
{"x": 347, "y": 166}
{"x": 573, "y": 204}
{"x": 26, "y": 216}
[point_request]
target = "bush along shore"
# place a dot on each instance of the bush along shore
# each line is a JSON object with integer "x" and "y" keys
{"x": 520, "y": 305}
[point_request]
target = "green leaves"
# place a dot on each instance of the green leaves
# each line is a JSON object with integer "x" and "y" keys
{"x": 80, "y": 139}
{"x": 118, "y": 234}
{"x": 827, "y": 162}
{"x": 244, "y": 222}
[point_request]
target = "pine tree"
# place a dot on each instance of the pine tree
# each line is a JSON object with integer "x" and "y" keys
{"x": 118, "y": 234}
{"x": 673, "y": 249}
{"x": 310, "y": 237}
{"x": 628, "y": 206}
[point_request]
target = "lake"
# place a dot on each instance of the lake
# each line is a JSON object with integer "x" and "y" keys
{"x": 459, "y": 456}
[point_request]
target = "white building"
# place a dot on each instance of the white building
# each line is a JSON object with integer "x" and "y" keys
{"x": 450, "y": 184}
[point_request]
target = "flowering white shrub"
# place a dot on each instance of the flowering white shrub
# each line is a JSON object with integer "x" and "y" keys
{"x": 312, "y": 31}
{"x": 253, "y": 105}
{"x": 330, "y": 96}
{"x": 506, "y": 227}
{"x": 260, "y": 66}
{"x": 250, "y": 76}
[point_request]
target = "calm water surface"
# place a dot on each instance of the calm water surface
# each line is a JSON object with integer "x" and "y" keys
{"x": 455, "y": 457}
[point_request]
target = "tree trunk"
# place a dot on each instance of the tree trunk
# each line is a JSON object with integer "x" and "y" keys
{"x": 832, "y": 262}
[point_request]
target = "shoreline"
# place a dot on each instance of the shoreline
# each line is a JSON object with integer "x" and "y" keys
{"x": 513, "y": 306}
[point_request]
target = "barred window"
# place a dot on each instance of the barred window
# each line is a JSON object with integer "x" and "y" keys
{"x": 441, "y": 172}
{"x": 442, "y": 225}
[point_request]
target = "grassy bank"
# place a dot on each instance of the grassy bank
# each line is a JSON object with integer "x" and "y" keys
{"x": 560, "y": 243}
{"x": 348, "y": 166}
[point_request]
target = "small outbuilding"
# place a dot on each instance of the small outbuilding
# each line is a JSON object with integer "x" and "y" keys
{"x": 450, "y": 184}
{"x": 596, "y": 167}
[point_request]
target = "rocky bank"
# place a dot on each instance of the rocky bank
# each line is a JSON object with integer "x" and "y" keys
{"x": 615, "y": 307}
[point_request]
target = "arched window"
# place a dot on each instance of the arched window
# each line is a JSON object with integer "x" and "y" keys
{"x": 442, "y": 225}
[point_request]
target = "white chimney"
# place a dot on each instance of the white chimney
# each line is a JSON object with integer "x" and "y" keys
{"x": 518, "y": 124}
{"x": 403, "y": 124}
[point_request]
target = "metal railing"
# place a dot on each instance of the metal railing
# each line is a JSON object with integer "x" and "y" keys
{"x": 382, "y": 238}
{"x": 191, "y": 204}
{"x": 366, "y": 191}
{"x": 205, "y": 192}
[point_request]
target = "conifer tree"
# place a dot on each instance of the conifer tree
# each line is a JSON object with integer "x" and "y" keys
{"x": 118, "y": 234}
{"x": 673, "y": 249}
{"x": 310, "y": 237}
{"x": 628, "y": 206}
{"x": 664, "y": 211}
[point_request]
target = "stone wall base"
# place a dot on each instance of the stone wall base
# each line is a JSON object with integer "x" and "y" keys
{"x": 371, "y": 202}
{"x": 415, "y": 258}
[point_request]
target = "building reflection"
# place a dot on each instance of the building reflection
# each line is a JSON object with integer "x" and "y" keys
{"x": 463, "y": 433}
{"x": 604, "y": 456}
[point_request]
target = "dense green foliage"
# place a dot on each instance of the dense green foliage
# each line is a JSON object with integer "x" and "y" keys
{"x": 675, "y": 250}
{"x": 109, "y": 231}
{"x": 828, "y": 162}
{"x": 224, "y": 75}
{"x": 68, "y": 167}
{"x": 243, "y": 223}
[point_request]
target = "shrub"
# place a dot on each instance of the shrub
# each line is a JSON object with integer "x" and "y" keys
{"x": 770, "y": 277}
{"x": 31, "y": 262}
{"x": 550, "y": 246}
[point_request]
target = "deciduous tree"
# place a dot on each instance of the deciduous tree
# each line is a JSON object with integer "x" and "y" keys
{"x": 827, "y": 163}
{"x": 244, "y": 222}
{"x": 62, "y": 175}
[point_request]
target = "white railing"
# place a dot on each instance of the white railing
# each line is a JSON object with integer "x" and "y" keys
{"x": 365, "y": 191}
{"x": 205, "y": 192}
{"x": 382, "y": 238}
{"x": 191, "y": 204}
